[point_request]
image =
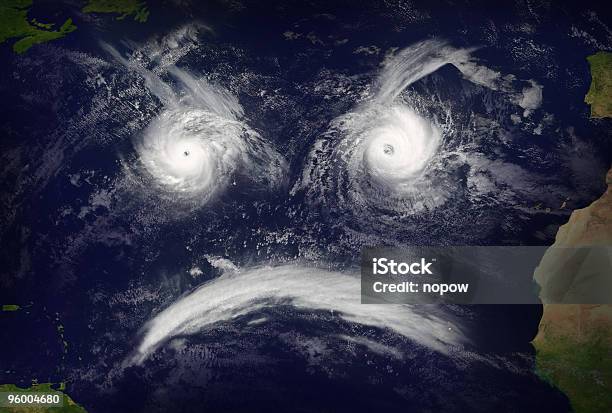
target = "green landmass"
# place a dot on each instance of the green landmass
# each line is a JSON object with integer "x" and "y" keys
{"x": 69, "y": 405}
{"x": 47, "y": 26}
{"x": 124, "y": 8}
{"x": 600, "y": 92}
{"x": 10, "y": 307}
{"x": 14, "y": 24}
{"x": 582, "y": 369}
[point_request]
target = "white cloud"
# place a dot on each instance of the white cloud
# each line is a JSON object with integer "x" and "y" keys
{"x": 249, "y": 291}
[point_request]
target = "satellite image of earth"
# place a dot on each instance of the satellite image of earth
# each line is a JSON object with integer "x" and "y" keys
{"x": 187, "y": 188}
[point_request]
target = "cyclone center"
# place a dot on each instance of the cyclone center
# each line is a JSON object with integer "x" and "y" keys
{"x": 388, "y": 149}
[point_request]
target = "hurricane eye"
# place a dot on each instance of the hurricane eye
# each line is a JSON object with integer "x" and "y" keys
{"x": 186, "y": 153}
{"x": 388, "y": 149}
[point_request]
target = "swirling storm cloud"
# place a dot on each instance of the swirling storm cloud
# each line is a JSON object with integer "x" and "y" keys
{"x": 399, "y": 154}
{"x": 200, "y": 143}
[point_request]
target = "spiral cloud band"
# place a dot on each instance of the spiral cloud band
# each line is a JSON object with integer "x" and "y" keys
{"x": 200, "y": 143}
{"x": 394, "y": 155}
{"x": 399, "y": 146}
{"x": 378, "y": 158}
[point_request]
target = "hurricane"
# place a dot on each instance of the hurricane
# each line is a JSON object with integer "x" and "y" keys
{"x": 381, "y": 155}
{"x": 401, "y": 152}
{"x": 200, "y": 143}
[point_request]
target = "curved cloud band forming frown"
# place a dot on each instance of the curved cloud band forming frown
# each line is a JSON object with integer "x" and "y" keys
{"x": 249, "y": 291}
